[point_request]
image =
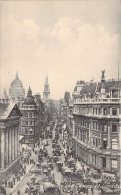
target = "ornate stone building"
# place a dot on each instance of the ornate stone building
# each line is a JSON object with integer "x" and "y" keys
{"x": 30, "y": 121}
{"x": 16, "y": 91}
{"x": 9, "y": 138}
{"x": 97, "y": 124}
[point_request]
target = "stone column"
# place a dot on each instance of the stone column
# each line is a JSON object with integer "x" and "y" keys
{"x": 100, "y": 162}
{"x": 2, "y": 149}
{"x": 90, "y": 132}
{"x": 12, "y": 143}
{"x": 6, "y": 146}
{"x": 16, "y": 142}
{"x": 73, "y": 127}
{"x": 18, "y": 145}
{"x": 109, "y": 138}
{"x": 108, "y": 163}
{"x": 9, "y": 146}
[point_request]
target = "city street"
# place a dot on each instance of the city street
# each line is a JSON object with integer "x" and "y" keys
{"x": 58, "y": 176}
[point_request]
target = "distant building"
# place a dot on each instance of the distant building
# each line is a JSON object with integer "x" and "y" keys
{"x": 77, "y": 89}
{"x": 46, "y": 93}
{"x": 96, "y": 120}
{"x": 16, "y": 91}
{"x": 67, "y": 97}
{"x": 29, "y": 121}
{"x": 9, "y": 139}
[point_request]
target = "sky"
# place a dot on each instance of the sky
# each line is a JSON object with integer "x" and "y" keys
{"x": 66, "y": 40}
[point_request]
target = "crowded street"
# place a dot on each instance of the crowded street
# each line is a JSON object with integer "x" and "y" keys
{"x": 51, "y": 168}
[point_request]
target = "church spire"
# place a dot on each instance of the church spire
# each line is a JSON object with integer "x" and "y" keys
{"x": 46, "y": 92}
{"x": 29, "y": 93}
{"x": 16, "y": 75}
{"x": 46, "y": 86}
{"x": 5, "y": 93}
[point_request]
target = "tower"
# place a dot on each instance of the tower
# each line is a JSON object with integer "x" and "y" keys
{"x": 46, "y": 92}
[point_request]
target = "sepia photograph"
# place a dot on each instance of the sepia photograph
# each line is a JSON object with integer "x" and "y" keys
{"x": 60, "y": 97}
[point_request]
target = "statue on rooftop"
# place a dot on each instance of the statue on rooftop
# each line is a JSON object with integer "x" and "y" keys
{"x": 103, "y": 71}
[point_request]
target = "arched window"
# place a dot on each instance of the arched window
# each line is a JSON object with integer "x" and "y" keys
{"x": 114, "y": 144}
{"x": 104, "y": 143}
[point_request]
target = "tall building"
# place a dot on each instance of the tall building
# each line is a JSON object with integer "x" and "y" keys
{"x": 30, "y": 120}
{"x": 46, "y": 93}
{"x": 9, "y": 139}
{"x": 97, "y": 124}
{"x": 16, "y": 91}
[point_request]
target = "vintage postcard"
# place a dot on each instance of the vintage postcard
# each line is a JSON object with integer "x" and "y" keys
{"x": 60, "y": 97}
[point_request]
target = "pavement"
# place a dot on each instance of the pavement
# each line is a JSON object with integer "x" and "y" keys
{"x": 17, "y": 183}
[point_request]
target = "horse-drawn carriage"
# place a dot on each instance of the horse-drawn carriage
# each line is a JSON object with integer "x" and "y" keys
{"x": 59, "y": 165}
{"x": 51, "y": 189}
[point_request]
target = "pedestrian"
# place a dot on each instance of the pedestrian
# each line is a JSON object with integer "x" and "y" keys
{"x": 11, "y": 184}
{"x": 14, "y": 180}
{"x": 19, "y": 192}
{"x": 5, "y": 191}
{"x": 6, "y": 183}
{"x": 92, "y": 190}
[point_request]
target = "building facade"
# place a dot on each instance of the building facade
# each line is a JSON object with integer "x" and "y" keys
{"x": 9, "y": 139}
{"x": 30, "y": 121}
{"x": 97, "y": 125}
{"x": 16, "y": 91}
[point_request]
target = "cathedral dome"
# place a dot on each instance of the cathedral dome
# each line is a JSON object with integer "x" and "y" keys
{"x": 16, "y": 89}
{"x": 16, "y": 83}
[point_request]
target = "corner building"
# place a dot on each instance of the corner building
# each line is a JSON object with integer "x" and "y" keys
{"x": 29, "y": 121}
{"x": 97, "y": 125}
{"x": 9, "y": 139}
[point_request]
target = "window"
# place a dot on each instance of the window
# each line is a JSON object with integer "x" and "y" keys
{"x": 105, "y": 111}
{"x": 30, "y": 114}
{"x": 83, "y": 138}
{"x": 104, "y": 143}
{"x": 114, "y": 164}
{"x": 93, "y": 140}
{"x": 93, "y": 125}
{"x": 81, "y": 135}
{"x": 26, "y": 114}
{"x": 30, "y": 122}
{"x": 96, "y": 125}
{"x": 96, "y": 111}
{"x": 96, "y": 141}
{"x": 26, "y": 122}
{"x": 104, "y": 127}
{"x": 114, "y": 111}
{"x": 99, "y": 111}
{"x": 114, "y": 127}
{"x": 114, "y": 144}
{"x": 30, "y": 131}
{"x": 104, "y": 162}
{"x": 93, "y": 110}
{"x": 114, "y": 94}
{"x": 26, "y": 131}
